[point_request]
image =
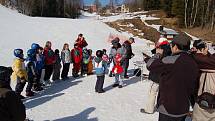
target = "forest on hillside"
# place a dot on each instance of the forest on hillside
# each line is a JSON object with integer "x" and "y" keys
{"x": 47, "y": 8}
{"x": 190, "y": 13}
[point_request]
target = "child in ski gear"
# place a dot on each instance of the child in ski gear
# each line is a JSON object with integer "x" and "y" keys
{"x": 49, "y": 61}
{"x": 31, "y": 71}
{"x": 76, "y": 54}
{"x": 206, "y": 63}
{"x": 57, "y": 66}
{"x": 19, "y": 71}
{"x": 11, "y": 106}
{"x": 90, "y": 64}
{"x": 120, "y": 50}
{"x": 85, "y": 61}
{"x": 129, "y": 54}
{"x": 39, "y": 66}
{"x": 100, "y": 67}
{"x": 81, "y": 41}
{"x": 118, "y": 70}
{"x": 66, "y": 59}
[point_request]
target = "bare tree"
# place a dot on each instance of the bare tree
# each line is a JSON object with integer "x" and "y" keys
{"x": 185, "y": 13}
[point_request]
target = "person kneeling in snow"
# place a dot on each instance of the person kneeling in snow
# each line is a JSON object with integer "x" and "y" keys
{"x": 100, "y": 67}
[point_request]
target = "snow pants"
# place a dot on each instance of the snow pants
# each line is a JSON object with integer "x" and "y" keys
{"x": 65, "y": 70}
{"x": 150, "y": 105}
{"x": 119, "y": 78}
{"x": 48, "y": 72}
{"x": 90, "y": 67}
{"x": 76, "y": 68}
{"x": 126, "y": 65}
{"x": 56, "y": 71}
{"x": 99, "y": 83}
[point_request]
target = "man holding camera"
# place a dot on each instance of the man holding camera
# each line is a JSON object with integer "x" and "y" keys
{"x": 179, "y": 73}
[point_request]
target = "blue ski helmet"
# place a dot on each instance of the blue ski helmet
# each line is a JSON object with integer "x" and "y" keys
{"x": 31, "y": 53}
{"x": 35, "y": 46}
{"x": 18, "y": 53}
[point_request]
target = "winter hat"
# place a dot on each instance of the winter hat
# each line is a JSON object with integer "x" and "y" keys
{"x": 182, "y": 39}
{"x": 99, "y": 53}
{"x": 56, "y": 51}
{"x": 115, "y": 41}
{"x": 132, "y": 39}
{"x": 199, "y": 44}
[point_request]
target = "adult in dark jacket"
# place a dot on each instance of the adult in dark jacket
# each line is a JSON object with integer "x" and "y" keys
{"x": 155, "y": 77}
{"x": 206, "y": 63}
{"x": 179, "y": 74}
{"x": 11, "y": 107}
{"x": 129, "y": 54}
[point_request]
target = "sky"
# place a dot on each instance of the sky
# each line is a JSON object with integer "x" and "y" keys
{"x": 104, "y": 2}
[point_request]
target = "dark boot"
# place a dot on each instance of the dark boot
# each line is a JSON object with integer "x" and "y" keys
{"x": 29, "y": 94}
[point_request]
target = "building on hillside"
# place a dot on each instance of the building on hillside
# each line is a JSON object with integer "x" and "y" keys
{"x": 122, "y": 9}
{"x": 90, "y": 8}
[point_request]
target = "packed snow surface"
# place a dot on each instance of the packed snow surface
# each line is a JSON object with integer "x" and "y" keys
{"x": 75, "y": 99}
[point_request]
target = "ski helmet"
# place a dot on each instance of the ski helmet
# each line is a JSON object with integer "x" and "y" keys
{"x": 31, "y": 53}
{"x": 18, "y": 53}
{"x": 35, "y": 46}
{"x": 99, "y": 53}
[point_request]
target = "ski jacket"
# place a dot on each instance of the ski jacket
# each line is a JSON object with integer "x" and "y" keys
{"x": 119, "y": 50}
{"x": 66, "y": 56}
{"x": 40, "y": 62}
{"x": 129, "y": 54}
{"x": 81, "y": 42}
{"x": 179, "y": 75}
{"x": 77, "y": 55}
{"x": 19, "y": 70}
{"x": 49, "y": 56}
{"x": 31, "y": 69}
{"x": 11, "y": 107}
{"x": 100, "y": 66}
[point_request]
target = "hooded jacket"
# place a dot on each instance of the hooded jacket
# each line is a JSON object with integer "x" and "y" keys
{"x": 19, "y": 70}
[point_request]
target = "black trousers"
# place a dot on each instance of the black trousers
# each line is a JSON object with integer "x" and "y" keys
{"x": 99, "y": 83}
{"x": 30, "y": 84}
{"x": 84, "y": 69}
{"x": 48, "y": 72}
{"x": 19, "y": 87}
{"x": 126, "y": 65}
{"x": 163, "y": 117}
{"x": 65, "y": 70}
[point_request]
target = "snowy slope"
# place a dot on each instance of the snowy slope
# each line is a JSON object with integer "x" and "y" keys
{"x": 75, "y": 99}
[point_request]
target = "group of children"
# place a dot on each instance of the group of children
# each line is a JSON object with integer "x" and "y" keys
{"x": 42, "y": 63}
